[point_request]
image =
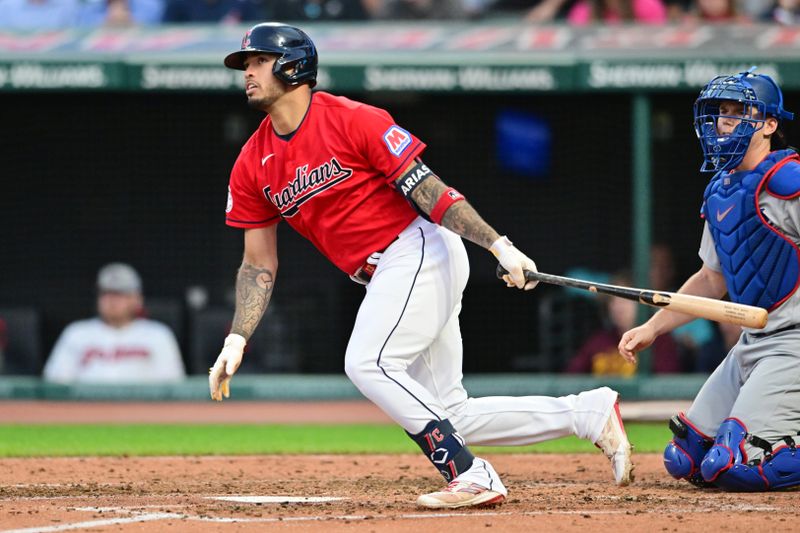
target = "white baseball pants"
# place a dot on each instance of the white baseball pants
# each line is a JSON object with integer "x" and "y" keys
{"x": 405, "y": 352}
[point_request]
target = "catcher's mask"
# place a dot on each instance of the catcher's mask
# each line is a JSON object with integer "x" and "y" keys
{"x": 761, "y": 98}
{"x": 297, "y": 55}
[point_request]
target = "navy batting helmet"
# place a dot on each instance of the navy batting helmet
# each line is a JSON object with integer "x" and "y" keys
{"x": 761, "y": 98}
{"x": 297, "y": 61}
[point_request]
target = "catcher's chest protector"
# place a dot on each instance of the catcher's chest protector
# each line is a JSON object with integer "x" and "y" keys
{"x": 761, "y": 265}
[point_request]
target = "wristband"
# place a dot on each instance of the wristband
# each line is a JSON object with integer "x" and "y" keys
{"x": 499, "y": 246}
{"x": 448, "y": 198}
{"x": 235, "y": 340}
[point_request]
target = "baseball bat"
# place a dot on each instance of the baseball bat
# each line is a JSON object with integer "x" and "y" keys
{"x": 697, "y": 306}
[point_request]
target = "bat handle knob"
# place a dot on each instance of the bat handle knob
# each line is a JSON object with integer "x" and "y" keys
{"x": 501, "y": 271}
{"x": 530, "y": 276}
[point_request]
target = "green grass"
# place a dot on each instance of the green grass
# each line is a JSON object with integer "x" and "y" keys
{"x": 191, "y": 439}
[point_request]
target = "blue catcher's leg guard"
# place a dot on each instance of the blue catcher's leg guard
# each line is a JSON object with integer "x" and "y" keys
{"x": 782, "y": 468}
{"x": 725, "y": 463}
{"x": 686, "y": 450}
{"x": 727, "y": 467}
{"x": 445, "y": 448}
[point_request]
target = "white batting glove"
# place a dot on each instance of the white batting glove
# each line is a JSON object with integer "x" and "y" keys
{"x": 515, "y": 262}
{"x": 228, "y": 361}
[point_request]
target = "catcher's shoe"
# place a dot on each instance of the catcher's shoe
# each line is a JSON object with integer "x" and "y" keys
{"x": 614, "y": 442}
{"x": 461, "y": 494}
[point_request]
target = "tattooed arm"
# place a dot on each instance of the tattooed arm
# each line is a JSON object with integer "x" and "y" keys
{"x": 254, "y": 284}
{"x": 460, "y": 218}
{"x": 253, "y": 292}
{"x": 255, "y": 279}
{"x": 448, "y": 208}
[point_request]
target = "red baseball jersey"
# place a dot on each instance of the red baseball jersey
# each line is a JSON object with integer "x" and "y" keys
{"x": 332, "y": 181}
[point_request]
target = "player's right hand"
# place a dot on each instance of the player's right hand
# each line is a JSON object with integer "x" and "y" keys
{"x": 635, "y": 340}
{"x": 228, "y": 361}
{"x": 515, "y": 262}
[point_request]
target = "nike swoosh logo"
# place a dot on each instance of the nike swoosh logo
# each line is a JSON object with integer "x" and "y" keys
{"x": 721, "y": 216}
{"x": 265, "y": 158}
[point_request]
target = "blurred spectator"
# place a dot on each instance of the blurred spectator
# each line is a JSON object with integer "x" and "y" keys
{"x": 538, "y": 11}
{"x": 38, "y": 14}
{"x": 320, "y": 10}
{"x": 679, "y": 10}
{"x": 424, "y": 9}
{"x": 121, "y": 12}
{"x": 617, "y": 11}
{"x": 699, "y": 340}
{"x": 223, "y": 11}
{"x": 599, "y": 355}
{"x": 715, "y": 11}
{"x": 117, "y": 346}
{"x": 548, "y": 10}
{"x": 786, "y": 12}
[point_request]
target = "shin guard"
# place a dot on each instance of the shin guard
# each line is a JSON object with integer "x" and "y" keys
{"x": 445, "y": 448}
{"x": 685, "y": 452}
{"x": 727, "y": 467}
{"x": 782, "y": 468}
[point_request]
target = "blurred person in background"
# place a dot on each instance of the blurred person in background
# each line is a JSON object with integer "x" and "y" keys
{"x": 599, "y": 355}
{"x": 118, "y": 346}
{"x": 121, "y": 12}
{"x": 716, "y": 12}
{"x": 222, "y": 11}
{"x": 678, "y": 10}
{"x": 539, "y": 11}
{"x": 699, "y": 341}
{"x": 313, "y": 10}
{"x": 784, "y": 12}
{"x": 586, "y": 12}
{"x": 549, "y": 10}
{"x": 39, "y": 14}
{"x": 428, "y": 9}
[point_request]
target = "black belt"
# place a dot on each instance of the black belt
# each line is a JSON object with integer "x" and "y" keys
{"x": 773, "y": 332}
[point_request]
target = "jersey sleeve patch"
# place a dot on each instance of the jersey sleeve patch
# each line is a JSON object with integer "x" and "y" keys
{"x": 397, "y": 140}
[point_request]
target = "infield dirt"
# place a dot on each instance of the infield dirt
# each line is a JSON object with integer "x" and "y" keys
{"x": 547, "y": 493}
{"x": 569, "y": 493}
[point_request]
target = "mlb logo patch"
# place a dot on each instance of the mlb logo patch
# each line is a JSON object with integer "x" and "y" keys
{"x": 397, "y": 140}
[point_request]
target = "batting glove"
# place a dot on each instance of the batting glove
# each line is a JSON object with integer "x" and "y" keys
{"x": 228, "y": 361}
{"x": 515, "y": 262}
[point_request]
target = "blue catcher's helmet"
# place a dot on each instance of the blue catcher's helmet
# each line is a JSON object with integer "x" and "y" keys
{"x": 761, "y": 98}
{"x": 297, "y": 55}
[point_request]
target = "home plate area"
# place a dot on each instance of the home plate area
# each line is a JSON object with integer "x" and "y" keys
{"x": 547, "y": 492}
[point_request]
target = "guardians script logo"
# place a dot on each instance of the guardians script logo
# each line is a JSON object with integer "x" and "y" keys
{"x": 307, "y": 184}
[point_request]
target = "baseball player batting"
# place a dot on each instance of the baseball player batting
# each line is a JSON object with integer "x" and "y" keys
{"x": 740, "y": 431}
{"x": 349, "y": 179}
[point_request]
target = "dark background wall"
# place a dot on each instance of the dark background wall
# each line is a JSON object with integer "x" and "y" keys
{"x": 142, "y": 178}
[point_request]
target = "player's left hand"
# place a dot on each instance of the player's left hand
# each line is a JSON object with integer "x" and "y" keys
{"x": 515, "y": 262}
{"x": 635, "y": 340}
{"x": 228, "y": 361}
